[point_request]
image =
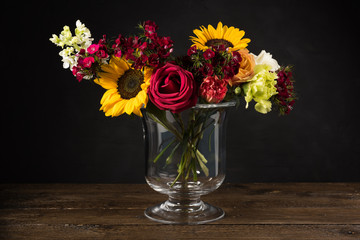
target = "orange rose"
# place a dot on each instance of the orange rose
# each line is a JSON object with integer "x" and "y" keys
{"x": 246, "y": 68}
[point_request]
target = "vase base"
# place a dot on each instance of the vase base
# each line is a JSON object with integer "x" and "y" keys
{"x": 205, "y": 214}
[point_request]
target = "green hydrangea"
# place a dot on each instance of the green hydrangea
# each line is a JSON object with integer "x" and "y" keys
{"x": 260, "y": 88}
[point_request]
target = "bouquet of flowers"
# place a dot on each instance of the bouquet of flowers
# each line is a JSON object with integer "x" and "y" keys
{"x": 141, "y": 72}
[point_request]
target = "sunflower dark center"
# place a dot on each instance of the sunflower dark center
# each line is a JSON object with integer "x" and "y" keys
{"x": 216, "y": 42}
{"x": 129, "y": 84}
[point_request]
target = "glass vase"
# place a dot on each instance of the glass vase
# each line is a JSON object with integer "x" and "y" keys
{"x": 185, "y": 159}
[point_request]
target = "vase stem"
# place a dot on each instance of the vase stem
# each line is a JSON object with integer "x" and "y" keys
{"x": 184, "y": 204}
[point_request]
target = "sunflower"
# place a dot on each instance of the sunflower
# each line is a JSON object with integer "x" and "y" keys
{"x": 230, "y": 37}
{"x": 126, "y": 88}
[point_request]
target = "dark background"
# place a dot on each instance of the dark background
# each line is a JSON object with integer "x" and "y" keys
{"x": 52, "y": 130}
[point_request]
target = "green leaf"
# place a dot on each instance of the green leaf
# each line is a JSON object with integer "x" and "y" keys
{"x": 202, "y": 161}
{"x": 163, "y": 151}
{"x": 168, "y": 159}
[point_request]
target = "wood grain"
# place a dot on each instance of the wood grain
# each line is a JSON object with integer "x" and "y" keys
{"x": 115, "y": 211}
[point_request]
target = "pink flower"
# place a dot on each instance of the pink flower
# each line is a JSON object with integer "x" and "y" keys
{"x": 172, "y": 88}
{"x": 208, "y": 54}
{"x": 76, "y": 72}
{"x": 93, "y": 48}
{"x": 117, "y": 52}
{"x": 213, "y": 89}
{"x": 88, "y": 61}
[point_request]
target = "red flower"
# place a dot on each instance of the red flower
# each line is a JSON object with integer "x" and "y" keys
{"x": 150, "y": 32}
{"x": 219, "y": 48}
{"x": 154, "y": 60}
{"x": 236, "y": 57}
{"x": 117, "y": 52}
{"x": 151, "y": 23}
{"x": 207, "y": 70}
{"x": 228, "y": 72}
{"x": 76, "y": 72}
{"x": 192, "y": 50}
{"x": 285, "y": 88}
{"x": 213, "y": 89}
{"x": 208, "y": 54}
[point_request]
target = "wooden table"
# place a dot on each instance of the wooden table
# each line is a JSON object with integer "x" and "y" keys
{"x": 115, "y": 211}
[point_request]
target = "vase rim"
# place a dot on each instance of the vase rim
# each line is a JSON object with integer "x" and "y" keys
{"x": 214, "y": 105}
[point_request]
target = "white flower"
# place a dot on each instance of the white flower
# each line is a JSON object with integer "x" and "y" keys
{"x": 83, "y": 35}
{"x": 73, "y": 44}
{"x": 69, "y": 59}
{"x": 266, "y": 58}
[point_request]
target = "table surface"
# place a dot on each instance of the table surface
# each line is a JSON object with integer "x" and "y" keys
{"x": 115, "y": 211}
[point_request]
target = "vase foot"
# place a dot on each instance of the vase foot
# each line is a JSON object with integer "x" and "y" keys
{"x": 200, "y": 214}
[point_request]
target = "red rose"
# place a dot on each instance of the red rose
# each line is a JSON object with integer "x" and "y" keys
{"x": 172, "y": 88}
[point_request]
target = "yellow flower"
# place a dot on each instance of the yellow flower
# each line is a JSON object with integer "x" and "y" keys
{"x": 126, "y": 88}
{"x": 230, "y": 37}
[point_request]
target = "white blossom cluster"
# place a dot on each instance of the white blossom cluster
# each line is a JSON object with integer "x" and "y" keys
{"x": 70, "y": 44}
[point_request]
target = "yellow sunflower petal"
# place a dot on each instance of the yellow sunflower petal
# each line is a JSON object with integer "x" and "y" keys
{"x": 121, "y": 63}
{"x": 109, "y": 75}
{"x": 106, "y": 83}
{"x": 109, "y": 68}
{"x": 129, "y": 108}
{"x": 219, "y": 30}
{"x": 241, "y": 34}
{"x": 118, "y": 108}
{"x": 245, "y": 40}
{"x": 137, "y": 112}
{"x": 212, "y": 32}
{"x": 206, "y": 32}
{"x": 225, "y": 28}
{"x": 114, "y": 98}
{"x": 107, "y": 94}
{"x": 228, "y": 33}
{"x": 200, "y": 36}
{"x": 108, "y": 108}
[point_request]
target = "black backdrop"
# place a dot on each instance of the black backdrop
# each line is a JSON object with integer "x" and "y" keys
{"x": 52, "y": 130}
